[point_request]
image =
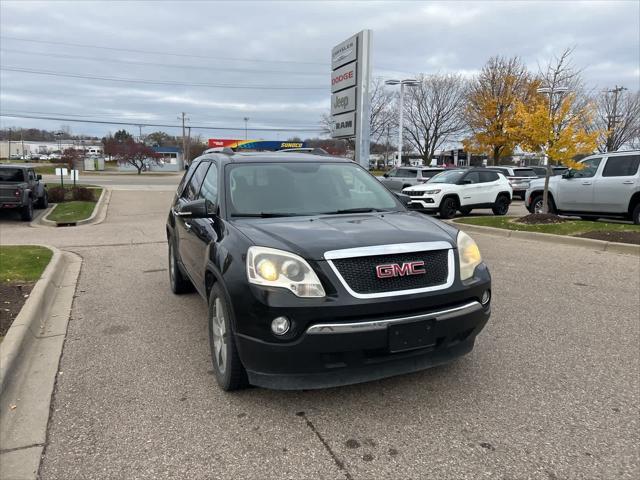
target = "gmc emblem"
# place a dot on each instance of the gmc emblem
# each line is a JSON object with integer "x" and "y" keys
{"x": 394, "y": 270}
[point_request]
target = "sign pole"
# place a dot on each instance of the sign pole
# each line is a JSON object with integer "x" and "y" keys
{"x": 363, "y": 136}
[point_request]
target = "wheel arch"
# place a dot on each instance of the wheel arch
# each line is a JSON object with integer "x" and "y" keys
{"x": 633, "y": 202}
{"x": 455, "y": 196}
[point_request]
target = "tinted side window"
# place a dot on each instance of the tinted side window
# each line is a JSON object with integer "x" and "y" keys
{"x": 405, "y": 172}
{"x": 209, "y": 189}
{"x": 486, "y": 177}
{"x": 32, "y": 175}
{"x": 473, "y": 177}
{"x": 590, "y": 168}
{"x": 623, "y": 166}
{"x": 524, "y": 173}
{"x": 191, "y": 192}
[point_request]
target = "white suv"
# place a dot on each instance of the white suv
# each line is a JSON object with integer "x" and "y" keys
{"x": 608, "y": 186}
{"x": 462, "y": 190}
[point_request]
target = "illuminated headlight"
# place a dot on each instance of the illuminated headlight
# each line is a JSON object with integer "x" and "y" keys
{"x": 468, "y": 255}
{"x": 277, "y": 268}
{"x": 432, "y": 192}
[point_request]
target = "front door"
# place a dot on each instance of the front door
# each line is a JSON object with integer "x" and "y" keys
{"x": 471, "y": 189}
{"x": 575, "y": 193}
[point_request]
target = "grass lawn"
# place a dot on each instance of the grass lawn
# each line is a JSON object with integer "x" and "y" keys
{"x": 48, "y": 169}
{"x": 73, "y": 211}
{"x": 22, "y": 263}
{"x": 574, "y": 227}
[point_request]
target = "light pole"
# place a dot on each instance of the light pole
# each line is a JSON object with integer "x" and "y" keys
{"x": 246, "y": 119}
{"x": 409, "y": 82}
{"x": 551, "y": 91}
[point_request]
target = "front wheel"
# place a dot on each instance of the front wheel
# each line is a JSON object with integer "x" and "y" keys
{"x": 537, "y": 205}
{"x": 227, "y": 367}
{"x": 27, "y": 211}
{"x": 43, "y": 201}
{"x": 501, "y": 207}
{"x": 448, "y": 208}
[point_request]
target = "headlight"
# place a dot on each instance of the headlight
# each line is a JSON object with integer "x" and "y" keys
{"x": 277, "y": 268}
{"x": 432, "y": 192}
{"x": 468, "y": 255}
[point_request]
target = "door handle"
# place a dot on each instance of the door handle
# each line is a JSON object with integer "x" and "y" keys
{"x": 586, "y": 183}
{"x": 187, "y": 225}
{"x": 628, "y": 182}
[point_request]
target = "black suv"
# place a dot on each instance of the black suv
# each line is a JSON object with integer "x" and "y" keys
{"x": 316, "y": 275}
{"x": 21, "y": 189}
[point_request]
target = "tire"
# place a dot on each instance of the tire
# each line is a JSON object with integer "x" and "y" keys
{"x": 227, "y": 367}
{"x": 635, "y": 216}
{"x": 537, "y": 200}
{"x": 448, "y": 208}
{"x": 179, "y": 283}
{"x": 27, "y": 211}
{"x": 465, "y": 210}
{"x": 43, "y": 202}
{"x": 501, "y": 206}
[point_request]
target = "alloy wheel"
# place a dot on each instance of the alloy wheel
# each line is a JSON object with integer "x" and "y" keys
{"x": 219, "y": 332}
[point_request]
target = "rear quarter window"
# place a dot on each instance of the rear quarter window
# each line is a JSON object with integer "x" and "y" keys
{"x": 622, "y": 166}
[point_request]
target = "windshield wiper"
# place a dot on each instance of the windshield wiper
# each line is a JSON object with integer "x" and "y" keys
{"x": 265, "y": 215}
{"x": 357, "y": 210}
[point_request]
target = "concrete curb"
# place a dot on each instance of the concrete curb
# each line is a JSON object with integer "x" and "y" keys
{"x": 27, "y": 322}
{"x": 30, "y": 357}
{"x": 97, "y": 216}
{"x": 623, "y": 248}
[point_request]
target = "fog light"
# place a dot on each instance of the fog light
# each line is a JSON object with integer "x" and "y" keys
{"x": 280, "y": 325}
{"x": 486, "y": 296}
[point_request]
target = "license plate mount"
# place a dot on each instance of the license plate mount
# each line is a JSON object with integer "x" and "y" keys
{"x": 409, "y": 336}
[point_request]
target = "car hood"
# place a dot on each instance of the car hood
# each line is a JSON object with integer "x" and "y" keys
{"x": 311, "y": 237}
{"x": 539, "y": 182}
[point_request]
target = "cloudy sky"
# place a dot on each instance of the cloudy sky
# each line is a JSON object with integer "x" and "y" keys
{"x": 145, "y": 62}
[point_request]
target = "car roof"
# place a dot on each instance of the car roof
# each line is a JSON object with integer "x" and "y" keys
{"x": 275, "y": 157}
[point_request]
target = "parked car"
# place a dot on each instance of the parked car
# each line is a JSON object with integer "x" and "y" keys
{"x": 542, "y": 171}
{"x": 399, "y": 178}
{"x": 519, "y": 178}
{"x": 461, "y": 190}
{"x": 21, "y": 188}
{"x": 316, "y": 275}
{"x": 607, "y": 186}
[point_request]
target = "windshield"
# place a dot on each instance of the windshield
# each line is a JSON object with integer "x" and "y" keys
{"x": 11, "y": 175}
{"x": 451, "y": 176}
{"x": 273, "y": 189}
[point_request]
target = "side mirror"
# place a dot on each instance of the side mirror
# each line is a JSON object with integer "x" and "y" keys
{"x": 568, "y": 174}
{"x": 38, "y": 177}
{"x": 386, "y": 175}
{"x": 466, "y": 182}
{"x": 200, "y": 208}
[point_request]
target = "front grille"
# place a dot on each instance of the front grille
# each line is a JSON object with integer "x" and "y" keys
{"x": 416, "y": 194}
{"x": 360, "y": 272}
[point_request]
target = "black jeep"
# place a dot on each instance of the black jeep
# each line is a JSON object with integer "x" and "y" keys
{"x": 316, "y": 275}
{"x": 21, "y": 188}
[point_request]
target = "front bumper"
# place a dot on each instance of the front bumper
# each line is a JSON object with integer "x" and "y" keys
{"x": 428, "y": 204}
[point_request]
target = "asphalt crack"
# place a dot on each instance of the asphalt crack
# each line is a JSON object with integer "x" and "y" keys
{"x": 339, "y": 463}
{"x": 8, "y": 450}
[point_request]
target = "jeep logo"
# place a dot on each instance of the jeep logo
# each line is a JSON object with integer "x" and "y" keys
{"x": 341, "y": 103}
{"x": 396, "y": 270}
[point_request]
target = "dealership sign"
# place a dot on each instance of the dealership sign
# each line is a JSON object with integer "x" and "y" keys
{"x": 350, "y": 105}
{"x": 344, "y": 101}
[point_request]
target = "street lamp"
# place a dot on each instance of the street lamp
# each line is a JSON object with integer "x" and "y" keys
{"x": 551, "y": 91}
{"x": 409, "y": 82}
{"x": 246, "y": 119}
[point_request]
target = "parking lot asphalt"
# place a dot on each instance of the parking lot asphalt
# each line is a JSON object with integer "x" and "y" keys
{"x": 550, "y": 390}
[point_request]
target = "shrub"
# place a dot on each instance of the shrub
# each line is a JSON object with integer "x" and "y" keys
{"x": 56, "y": 194}
{"x": 82, "y": 193}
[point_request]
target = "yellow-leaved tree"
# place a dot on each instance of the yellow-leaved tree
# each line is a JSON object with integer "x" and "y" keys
{"x": 555, "y": 120}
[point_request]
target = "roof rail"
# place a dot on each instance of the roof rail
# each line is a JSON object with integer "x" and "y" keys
{"x": 225, "y": 150}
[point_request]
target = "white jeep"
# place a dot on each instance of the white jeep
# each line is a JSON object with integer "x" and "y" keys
{"x": 462, "y": 190}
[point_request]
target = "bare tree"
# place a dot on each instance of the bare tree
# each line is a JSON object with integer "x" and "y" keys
{"x": 434, "y": 112}
{"x": 617, "y": 119}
